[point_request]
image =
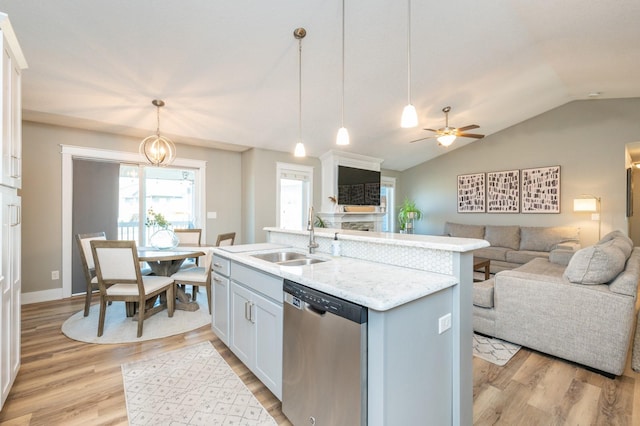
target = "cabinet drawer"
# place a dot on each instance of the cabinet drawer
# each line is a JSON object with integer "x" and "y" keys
{"x": 220, "y": 265}
{"x": 269, "y": 285}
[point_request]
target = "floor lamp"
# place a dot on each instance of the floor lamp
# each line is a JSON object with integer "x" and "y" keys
{"x": 589, "y": 204}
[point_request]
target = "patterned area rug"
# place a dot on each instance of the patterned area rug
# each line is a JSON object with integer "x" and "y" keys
{"x": 495, "y": 351}
{"x": 189, "y": 386}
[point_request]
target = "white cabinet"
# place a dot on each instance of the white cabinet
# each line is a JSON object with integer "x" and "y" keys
{"x": 11, "y": 117}
{"x": 10, "y": 216}
{"x": 10, "y": 288}
{"x": 256, "y": 324}
{"x": 220, "y": 294}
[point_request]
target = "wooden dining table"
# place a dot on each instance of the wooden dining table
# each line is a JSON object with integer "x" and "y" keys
{"x": 166, "y": 263}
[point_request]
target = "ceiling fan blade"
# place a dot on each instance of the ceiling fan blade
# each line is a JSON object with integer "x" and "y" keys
{"x": 471, "y": 135}
{"x": 421, "y": 139}
{"x": 469, "y": 127}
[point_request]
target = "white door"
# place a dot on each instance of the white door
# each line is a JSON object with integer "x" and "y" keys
{"x": 221, "y": 307}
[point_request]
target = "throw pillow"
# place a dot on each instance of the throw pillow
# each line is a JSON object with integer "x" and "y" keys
{"x": 503, "y": 236}
{"x": 597, "y": 264}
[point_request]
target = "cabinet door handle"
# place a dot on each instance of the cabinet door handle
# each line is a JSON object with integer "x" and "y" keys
{"x": 246, "y": 311}
{"x": 251, "y": 316}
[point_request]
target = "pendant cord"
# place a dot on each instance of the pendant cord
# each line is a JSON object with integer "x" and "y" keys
{"x": 299, "y": 90}
{"x": 409, "y": 53}
{"x": 342, "y": 63}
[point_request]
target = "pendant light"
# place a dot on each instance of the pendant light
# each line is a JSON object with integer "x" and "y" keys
{"x": 157, "y": 149}
{"x": 343, "y": 134}
{"x": 299, "y": 34}
{"x": 409, "y": 115}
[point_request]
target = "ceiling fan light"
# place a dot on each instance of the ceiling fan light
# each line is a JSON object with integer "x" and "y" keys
{"x": 446, "y": 140}
{"x": 300, "y": 151}
{"x": 409, "y": 117}
{"x": 343, "y": 136}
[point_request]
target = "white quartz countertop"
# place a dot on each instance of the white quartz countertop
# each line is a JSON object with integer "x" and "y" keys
{"x": 408, "y": 240}
{"x": 377, "y": 286}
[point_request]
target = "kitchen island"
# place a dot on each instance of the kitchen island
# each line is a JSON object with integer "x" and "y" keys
{"x": 419, "y": 369}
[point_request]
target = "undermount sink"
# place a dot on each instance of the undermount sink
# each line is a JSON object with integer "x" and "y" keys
{"x": 280, "y": 256}
{"x": 288, "y": 258}
{"x": 301, "y": 262}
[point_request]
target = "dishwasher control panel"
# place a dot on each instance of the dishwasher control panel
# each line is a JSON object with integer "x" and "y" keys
{"x": 323, "y": 302}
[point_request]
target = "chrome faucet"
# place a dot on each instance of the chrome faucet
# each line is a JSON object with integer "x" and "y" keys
{"x": 312, "y": 236}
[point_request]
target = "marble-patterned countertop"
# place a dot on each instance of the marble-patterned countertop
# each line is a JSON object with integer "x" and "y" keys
{"x": 408, "y": 240}
{"x": 375, "y": 285}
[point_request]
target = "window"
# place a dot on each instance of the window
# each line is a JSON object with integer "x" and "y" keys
{"x": 164, "y": 190}
{"x": 294, "y": 195}
{"x": 388, "y": 202}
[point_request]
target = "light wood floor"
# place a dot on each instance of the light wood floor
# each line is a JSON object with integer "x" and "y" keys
{"x": 64, "y": 382}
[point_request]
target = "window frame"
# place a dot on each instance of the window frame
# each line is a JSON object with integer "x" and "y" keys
{"x": 282, "y": 168}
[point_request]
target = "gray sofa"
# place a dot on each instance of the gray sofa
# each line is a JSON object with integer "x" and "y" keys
{"x": 513, "y": 246}
{"x": 583, "y": 311}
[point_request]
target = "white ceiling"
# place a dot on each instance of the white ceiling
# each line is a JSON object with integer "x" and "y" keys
{"x": 228, "y": 70}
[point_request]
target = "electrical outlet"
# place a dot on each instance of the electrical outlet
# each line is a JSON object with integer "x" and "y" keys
{"x": 55, "y": 275}
{"x": 444, "y": 323}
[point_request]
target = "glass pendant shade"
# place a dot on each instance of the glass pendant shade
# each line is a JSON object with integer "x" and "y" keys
{"x": 446, "y": 140}
{"x": 300, "y": 151}
{"x": 343, "y": 136}
{"x": 409, "y": 117}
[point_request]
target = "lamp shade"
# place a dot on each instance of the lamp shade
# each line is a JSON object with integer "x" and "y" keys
{"x": 585, "y": 205}
{"x": 343, "y": 136}
{"x": 409, "y": 117}
{"x": 446, "y": 140}
{"x": 300, "y": 151}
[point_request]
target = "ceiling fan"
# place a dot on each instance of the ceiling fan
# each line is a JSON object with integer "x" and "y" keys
{"x": 446, "y": 135}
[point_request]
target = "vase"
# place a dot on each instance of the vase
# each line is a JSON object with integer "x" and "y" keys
{"x": 164, "y": 239}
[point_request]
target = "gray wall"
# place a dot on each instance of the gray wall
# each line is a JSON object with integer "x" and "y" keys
{"x": 42, "y": 194}
{"x": 259, "y": 185}
{"x": 586, "y": 138}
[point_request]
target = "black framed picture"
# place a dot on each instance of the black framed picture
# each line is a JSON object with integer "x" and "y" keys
{"x": 471, "y": 193}
{"x": 540, "y": 190}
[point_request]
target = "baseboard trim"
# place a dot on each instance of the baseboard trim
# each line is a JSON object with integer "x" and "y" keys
{"x": 41, "y": 296}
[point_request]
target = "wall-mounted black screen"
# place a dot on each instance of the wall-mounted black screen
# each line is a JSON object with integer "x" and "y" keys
{"x": 358, "y": 187}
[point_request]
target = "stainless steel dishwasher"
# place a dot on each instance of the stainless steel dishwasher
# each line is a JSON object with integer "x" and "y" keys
{"x": 324, "y": 374}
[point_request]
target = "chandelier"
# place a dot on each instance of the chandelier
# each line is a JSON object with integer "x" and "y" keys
{"x": 157, "y": 149}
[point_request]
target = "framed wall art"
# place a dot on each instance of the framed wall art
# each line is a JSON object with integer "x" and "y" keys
{"x": 503, "y": 192}
{"x": 471, "y": 193}
{"x": 540, "y": 190}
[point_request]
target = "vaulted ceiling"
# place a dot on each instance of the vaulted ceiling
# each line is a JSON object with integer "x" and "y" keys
{"x": 228, "y": 70}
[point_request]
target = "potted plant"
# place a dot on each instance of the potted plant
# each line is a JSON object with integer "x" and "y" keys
{"x": 407, "y": 213}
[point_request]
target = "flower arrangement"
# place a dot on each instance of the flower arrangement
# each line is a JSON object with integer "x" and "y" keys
{"x": 156, "y": 220}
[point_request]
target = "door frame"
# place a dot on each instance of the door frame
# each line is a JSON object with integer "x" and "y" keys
{"x": 69, "y": 152}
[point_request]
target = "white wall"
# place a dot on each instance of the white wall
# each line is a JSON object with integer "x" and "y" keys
{"x": 586, "y": 138}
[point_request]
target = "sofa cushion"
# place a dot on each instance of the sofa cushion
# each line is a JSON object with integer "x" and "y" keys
{"x": 542, "y": 238}
{"x": 561, "y": 257}
{"x": 492, "y": 253}
{"x": 503, "y": 236}
{"x": 625, "y": 246}
{"x": 464, "y": 231}
{"x": 524, "y": 256}
{"x": 597, "y": 264}
{"x": 627, "y": 281}
{"x": 483, "y": 293}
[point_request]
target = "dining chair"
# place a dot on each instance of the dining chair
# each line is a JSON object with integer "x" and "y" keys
{"x": 196, "y": 277}
{"x": 88, "y": 265}
{"x": 120, "y": 279}
{"x": 226, "y": 239}
{"x": 191, "y": 238}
